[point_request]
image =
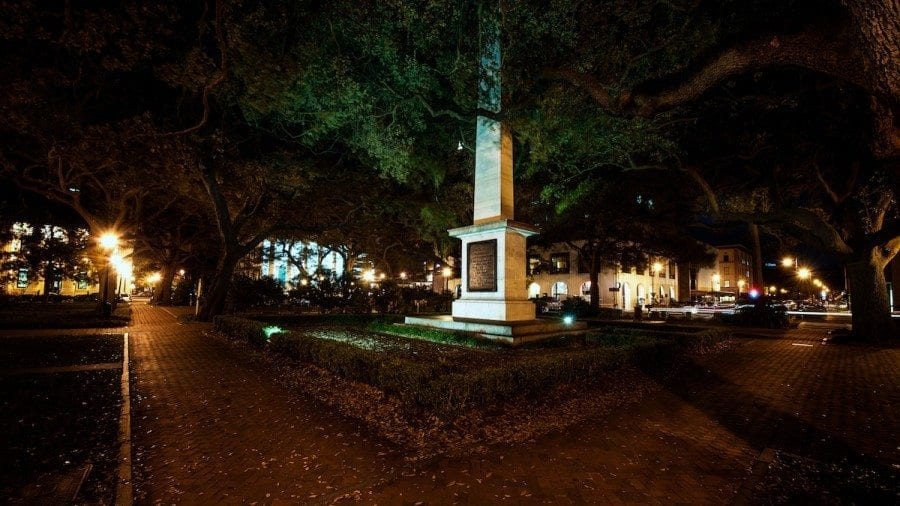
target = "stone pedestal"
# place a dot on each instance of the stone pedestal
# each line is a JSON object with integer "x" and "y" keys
{"x": 493, "y": 272}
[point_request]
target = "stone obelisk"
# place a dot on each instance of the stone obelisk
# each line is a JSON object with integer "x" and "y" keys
{"x": 493, "y": 247}
{"x": 494, "y": 302}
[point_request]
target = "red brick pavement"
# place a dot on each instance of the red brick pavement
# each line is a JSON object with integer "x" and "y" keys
{"x": 210, "y": 427}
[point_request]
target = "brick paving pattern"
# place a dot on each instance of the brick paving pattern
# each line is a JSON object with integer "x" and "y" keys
{"x": 209, "y": 426}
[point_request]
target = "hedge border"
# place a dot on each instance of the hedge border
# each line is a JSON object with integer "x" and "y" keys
{"x": 444, "y": 392}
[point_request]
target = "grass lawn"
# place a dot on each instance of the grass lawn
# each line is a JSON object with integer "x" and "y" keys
{"x": 54, "y": 424}
{"x": 62, "y": 315}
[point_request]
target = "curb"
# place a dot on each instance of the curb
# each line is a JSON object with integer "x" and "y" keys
{"x": 124, "y": 493}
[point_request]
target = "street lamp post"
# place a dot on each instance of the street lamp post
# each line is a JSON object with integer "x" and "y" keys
{"x": 108, "y": 242}
{"x": 803, "y": 274}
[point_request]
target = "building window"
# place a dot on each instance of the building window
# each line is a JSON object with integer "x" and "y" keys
{"x": 726, "y": 283}
{"x": 559, "y": 263}
{"x": 559, "y": 290}
{"x": 671, "y": 270}
{"x": 726, "y": 270}
{"x": 725, "y": 258}
{"x": 22, "y": 279}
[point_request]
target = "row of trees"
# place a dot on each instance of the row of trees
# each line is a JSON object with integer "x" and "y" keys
{"x": 198, "y": 129}
{"x": 47, "y": 252}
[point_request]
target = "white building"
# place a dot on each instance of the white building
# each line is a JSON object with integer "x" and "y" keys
{"x": 293, "y": 263}
{"x": 558, "y": 272}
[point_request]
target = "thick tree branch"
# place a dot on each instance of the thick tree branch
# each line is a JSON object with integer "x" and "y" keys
{"x": 590, "y": 84}
{"x": 880, "y": 210}
{"x": 704, "y": 185}
{"x": 216, "y": 80}
{"x": 821, "y": 49}
{"x": 808, "y": 225}
{"x": 220, "y": 207}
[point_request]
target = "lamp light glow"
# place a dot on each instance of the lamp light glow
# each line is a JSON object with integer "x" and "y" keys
{"x": 108, "y": 241}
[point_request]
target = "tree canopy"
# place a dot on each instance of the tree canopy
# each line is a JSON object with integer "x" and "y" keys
{"x": 782, "y": 114}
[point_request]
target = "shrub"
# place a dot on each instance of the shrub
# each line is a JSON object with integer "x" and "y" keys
{"x": 240, "y": 328}
{"x": 577, "y": 307}
{"x": 609, "y": 313}
{"x": 446, "y": 391}
{"x": 249, "y": 292}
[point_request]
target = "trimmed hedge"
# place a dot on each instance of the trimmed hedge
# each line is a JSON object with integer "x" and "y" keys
{"x": 445, "y": 392}
{"x": 241, "y": 328}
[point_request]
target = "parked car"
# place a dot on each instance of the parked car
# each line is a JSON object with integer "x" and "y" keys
{"x": 547, "y": 305}
{"x": 808, "y": 305}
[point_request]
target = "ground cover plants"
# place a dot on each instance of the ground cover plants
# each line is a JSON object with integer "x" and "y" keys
{"x": 59, "y": 425}
{"x": 445, "y": 397}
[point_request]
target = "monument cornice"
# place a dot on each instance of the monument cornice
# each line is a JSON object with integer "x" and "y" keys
{"x": 493, "y": 225}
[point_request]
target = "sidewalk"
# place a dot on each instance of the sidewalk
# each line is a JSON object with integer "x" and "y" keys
{"x": 210, "y": 426}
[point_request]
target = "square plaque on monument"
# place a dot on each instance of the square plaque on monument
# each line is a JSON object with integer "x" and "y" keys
{"x": 482, "y": 266}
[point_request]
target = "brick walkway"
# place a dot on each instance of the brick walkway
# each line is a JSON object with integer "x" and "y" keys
{"x": 209, "y": 426}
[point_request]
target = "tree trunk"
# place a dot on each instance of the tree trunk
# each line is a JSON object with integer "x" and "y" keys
{"x": 877, "y": 36}
{"x": 594, "y": 274}
{"x": 869, "y": 301}
{"x": 757, "y": 278}
{"x": 218, "y": 292}
{"x": 163, "y": 296}
{"x": 48, "y": 281}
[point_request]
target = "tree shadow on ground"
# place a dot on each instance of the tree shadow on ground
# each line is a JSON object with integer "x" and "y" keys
{"x": 758, "y": 421}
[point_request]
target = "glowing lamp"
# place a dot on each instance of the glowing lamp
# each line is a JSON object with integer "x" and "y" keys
{"x": 108, "y": 240}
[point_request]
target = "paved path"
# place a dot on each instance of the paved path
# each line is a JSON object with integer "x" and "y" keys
{"x": 210, "y": 426}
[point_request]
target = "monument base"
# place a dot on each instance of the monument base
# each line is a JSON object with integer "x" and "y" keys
{"x": 498, "y": 310}
{"x": 514, "y": 333}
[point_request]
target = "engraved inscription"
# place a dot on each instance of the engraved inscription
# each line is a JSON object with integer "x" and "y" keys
{"x": 482, "y": 266}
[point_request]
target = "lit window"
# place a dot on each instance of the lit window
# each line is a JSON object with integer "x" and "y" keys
{"x": 559, "y": 263}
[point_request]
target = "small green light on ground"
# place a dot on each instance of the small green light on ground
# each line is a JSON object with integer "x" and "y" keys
{"x": 272, "y": 330}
